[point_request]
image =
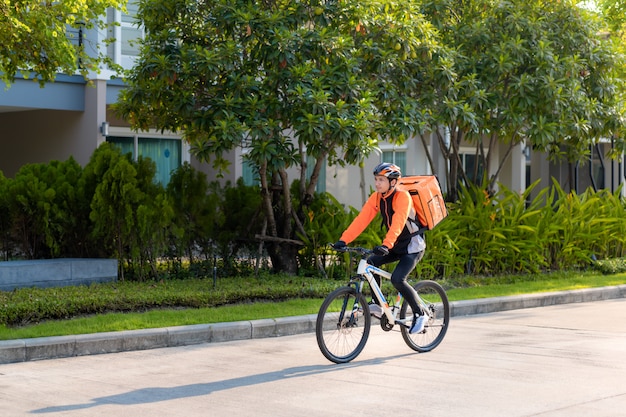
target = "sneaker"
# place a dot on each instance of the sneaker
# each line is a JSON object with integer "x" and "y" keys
{"x": 375, "y": 310}
{"x": 419, "y": 323}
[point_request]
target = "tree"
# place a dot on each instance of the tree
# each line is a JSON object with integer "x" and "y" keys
{"x": 5, "y": 219}
{"x": 197, "y": 211}
{"x": 287, "y": 80}
{"x": 614, "y": 12}
{"x": 129, "y": 211}
{"x": 37, "y": 39}
{"x": 535, "y": 72}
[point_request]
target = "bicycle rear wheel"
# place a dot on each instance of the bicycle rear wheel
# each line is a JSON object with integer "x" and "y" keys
{"x": 432, "y": 297}
{"x": 343, "y": 325}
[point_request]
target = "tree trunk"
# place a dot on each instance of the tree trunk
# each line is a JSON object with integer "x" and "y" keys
{"x": 281, "y": 247}
{"x": 431, "y": 163}
{"x": 307, "y": 197}
{"x": 284, "y": 257}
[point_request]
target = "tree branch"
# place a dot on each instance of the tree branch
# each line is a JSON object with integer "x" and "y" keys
{"x": 266, "y": 238}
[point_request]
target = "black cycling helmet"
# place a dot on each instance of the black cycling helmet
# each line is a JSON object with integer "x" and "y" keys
{"x": 388, "y": 170}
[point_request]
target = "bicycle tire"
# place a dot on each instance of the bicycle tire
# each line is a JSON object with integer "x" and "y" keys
{"x": 341, "y": 334}
{"x": 436, "y": 300}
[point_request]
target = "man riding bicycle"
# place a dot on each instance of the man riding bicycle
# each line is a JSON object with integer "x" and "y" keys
{"x": 402, "y": 242}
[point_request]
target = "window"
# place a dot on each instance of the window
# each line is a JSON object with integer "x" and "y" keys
{"x": 126, "y": 33}
{"x": 250, "y": 174}
{"x": 469, "y": 161}
{"x": 397, "y": 157}
{"x": 166, "y": 153}
{"x": 127, "y": 145}
{"x": 131, "y": 32}
{"x": 597, "y": 165}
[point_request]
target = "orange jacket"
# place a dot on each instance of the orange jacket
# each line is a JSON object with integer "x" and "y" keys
{"x": 402, "y": 209}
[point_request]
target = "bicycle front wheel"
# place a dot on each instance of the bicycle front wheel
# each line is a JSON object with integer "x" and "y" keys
{"x": 433, "y": 299}
{"x": 343, "y": 325}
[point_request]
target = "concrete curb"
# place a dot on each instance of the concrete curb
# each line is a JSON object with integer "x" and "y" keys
{"x": 22, "y": 350}
{"x": 490, "y": 305}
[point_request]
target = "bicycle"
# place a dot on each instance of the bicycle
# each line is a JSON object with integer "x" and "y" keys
{"x": 343, "y": 321}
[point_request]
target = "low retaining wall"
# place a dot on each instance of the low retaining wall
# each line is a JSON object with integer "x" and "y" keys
{"x": 56, "y": 272}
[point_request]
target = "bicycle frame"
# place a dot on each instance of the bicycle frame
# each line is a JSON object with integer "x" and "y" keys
{"x": 368, "y": 271}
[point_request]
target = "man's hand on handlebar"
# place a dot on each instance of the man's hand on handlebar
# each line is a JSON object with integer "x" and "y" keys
{"x": 339, "y": 245}
{"x": 381, "y": 250}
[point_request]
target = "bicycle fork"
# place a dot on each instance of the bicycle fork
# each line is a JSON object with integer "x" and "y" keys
{"x": 348, "y": 318}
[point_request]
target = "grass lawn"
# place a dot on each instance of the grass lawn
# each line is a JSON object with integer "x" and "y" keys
{"x": 464, "y": 290}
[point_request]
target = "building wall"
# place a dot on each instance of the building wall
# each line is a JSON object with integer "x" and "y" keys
{"x": 44, "y": 135}
{"x": 41, "y": 136}
{"x": 582, "y": 175}
{"x": 513, "y": 172}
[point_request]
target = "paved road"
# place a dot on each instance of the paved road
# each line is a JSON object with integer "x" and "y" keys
{"x": 558, "y": 361}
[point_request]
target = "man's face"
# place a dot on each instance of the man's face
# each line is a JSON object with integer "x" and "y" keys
{"x": 381, "y": 183}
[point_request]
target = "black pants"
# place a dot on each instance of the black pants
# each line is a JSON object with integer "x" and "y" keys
{"x": 406, "y": 263}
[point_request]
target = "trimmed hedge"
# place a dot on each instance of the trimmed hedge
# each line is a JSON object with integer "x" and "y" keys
{"x": 32, "y": 305}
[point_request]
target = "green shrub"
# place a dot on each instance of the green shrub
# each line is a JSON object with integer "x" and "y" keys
{"x": 6, "y": 221}
{"x": 129, "y": 210}
{"x": 510, "y": 233}
{"x": 242, "y": 219}
{"x": 196, "y": 213}
{"x": 611, "y": 266}
{"x": 32, "y": 305}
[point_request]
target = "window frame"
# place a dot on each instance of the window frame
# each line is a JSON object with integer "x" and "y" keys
{"x": 185, "y": 155}
{"x": 119, "y": 25}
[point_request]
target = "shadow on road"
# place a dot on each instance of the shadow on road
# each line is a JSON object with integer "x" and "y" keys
{"x": 156, "y": 394}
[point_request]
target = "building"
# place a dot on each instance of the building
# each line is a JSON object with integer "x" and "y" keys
{"x": 72, "y": 117}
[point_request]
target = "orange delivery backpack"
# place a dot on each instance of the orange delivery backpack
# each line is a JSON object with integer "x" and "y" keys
{"x": 425, "y": 190}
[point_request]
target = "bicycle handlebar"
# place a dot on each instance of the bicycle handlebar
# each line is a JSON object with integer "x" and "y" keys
{"x": 353, "y": 249}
